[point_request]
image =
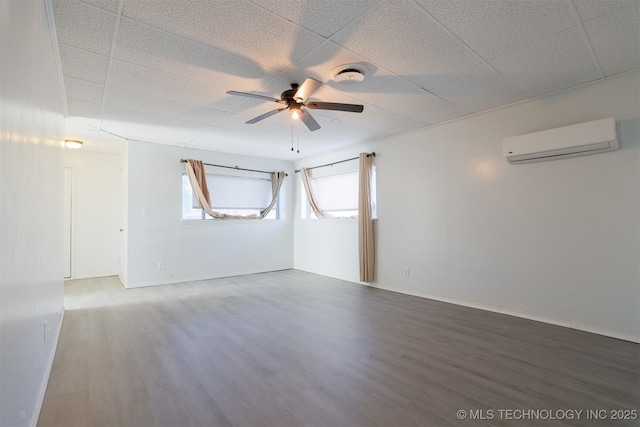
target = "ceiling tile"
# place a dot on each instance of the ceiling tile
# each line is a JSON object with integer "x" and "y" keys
{"x": 337, "y": 134}
{"x": 323, "y": 17}
{"x": 83, "y": 65}
{"x": 589, "y": 9}
{"x": 476, "y": 89}
{"x": 492, "y": 28}
{"x": 233, "y": 141}
{"x": 236, "y": 26}
{"x": 146, "y": 46}
{"x": 151, "y": 82}
{"x": 422, "y": 107}
{"x": 108, "y": 5}
{"x": 385, "y": 121}
{"x": 83, "y": 90}
{"x": 136, "y": 101}
{"x": 554, "y": 63}
{"x": 275, "y": 126}
{"x": 84, "y": 26}
{"x": 615, "y": 38}
{"x": 421, "y": 52}
{"x": 150, "y": 128}
{"x": 85, "y": 109}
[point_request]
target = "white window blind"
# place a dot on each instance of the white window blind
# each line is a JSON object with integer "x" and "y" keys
{"x": 233, "y": 195}
{"x": 337, "y": 192}
{"x": 232, "y": 192}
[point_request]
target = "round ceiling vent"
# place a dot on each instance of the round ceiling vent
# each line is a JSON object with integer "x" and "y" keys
{"x": 349, "y": 73}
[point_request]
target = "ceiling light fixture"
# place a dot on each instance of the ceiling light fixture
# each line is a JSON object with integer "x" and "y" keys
{"x": 72, "y": 143}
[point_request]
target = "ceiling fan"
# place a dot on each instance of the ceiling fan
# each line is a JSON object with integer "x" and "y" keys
{"x": 296, "y": 98}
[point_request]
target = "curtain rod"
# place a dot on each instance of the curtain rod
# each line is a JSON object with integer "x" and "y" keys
{"x": 233, "y": 167}
{"x": 372, "y": 154}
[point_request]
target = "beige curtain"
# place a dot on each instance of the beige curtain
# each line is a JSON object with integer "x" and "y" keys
{"x": 366, "y": 248}
{"x": 197, "y": 178}
{"x": 277, "y": 178}
{"x": 304, "y": 174}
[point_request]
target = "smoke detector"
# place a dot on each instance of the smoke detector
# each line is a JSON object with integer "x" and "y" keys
{"x": 349, "y": 74}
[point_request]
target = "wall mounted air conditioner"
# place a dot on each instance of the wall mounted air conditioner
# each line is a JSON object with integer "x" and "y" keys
{"x": 582, "y": 139}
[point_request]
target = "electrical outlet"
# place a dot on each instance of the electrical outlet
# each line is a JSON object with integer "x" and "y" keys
{"x": 160, "y": 265}
{"x": 406, "y": 272}
{"x": 23, "y": 415}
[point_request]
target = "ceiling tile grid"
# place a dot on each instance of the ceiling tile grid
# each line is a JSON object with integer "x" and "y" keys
{"x": 493, "y": 28}
{"x": 83, "y": 65}
{"x": 108, "y": 5}
{"x": 150, "y": 104}
{"x": 554, "y": 63}
{"x": 424, "y": 107}
{"x": 145, "y": 127}
{"x": 144, "y": 80}
{"x": 615, "y": 38}
{"x": 426, "y": 62}
{"x": 323, "y": 17}
{"x": 85, "y": 109}
{"x": 235, "y": 26}
{"x": 84, "y": 26}
{"x": 149, "y": 47}
{"x": 83, "y": 90}
{"x": 589, "y": 9}
{"x": 476, "y": 89}
{"x": 402, "y": 38}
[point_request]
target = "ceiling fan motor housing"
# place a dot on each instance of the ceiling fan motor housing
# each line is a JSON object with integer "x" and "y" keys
{"x": 288, "y": 94}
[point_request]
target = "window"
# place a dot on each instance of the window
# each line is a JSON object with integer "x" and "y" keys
{"x": 336, "y": 190}
{"x": 229, "y": 194}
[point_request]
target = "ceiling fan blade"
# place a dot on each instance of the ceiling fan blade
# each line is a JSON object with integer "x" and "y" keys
{"x": 253, "y": 95}
{"x": 265, "y": 115}
{"x": 306, "y": 90}
{"x": 309, "y": 121}
{"x": 353, "y": 108}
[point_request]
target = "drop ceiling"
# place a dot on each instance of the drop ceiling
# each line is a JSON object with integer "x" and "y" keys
{"x": 158, "y": 70}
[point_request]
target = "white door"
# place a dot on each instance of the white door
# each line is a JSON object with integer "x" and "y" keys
{"x": 68, "y": 172}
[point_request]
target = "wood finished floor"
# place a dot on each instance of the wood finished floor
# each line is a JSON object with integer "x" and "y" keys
{"x": 291, "y": 348}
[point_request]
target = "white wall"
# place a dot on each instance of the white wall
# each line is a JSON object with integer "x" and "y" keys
{"x": 123, "y": 184}
{"x": 95, "y": 213}
{"x": 201, "y": 250}
{"x": 555, "y": 241}
{"x": 31, "y": 210}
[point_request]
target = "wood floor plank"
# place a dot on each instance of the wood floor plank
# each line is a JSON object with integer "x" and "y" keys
{"x": 291, "y": 348}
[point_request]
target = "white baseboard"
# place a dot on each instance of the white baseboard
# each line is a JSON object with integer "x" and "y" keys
{"x": 43, "y": 387}
{"x": 516, "y": 313}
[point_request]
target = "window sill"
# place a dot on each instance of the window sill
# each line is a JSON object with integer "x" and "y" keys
{"x": 228, "y": 221}
{"x": 334, "y": 219}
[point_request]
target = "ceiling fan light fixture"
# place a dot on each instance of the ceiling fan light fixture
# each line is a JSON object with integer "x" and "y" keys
{"x": 349, "y": 73}
{"x": 296, "y": 112}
